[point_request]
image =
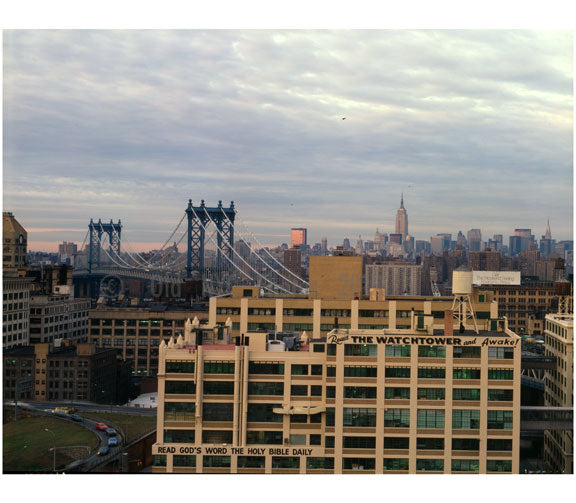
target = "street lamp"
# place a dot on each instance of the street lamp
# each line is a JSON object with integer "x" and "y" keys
{"x": 54, "y": 450}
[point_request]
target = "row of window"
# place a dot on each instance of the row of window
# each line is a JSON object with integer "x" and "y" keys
{"x": 423, "y": 372}
{"x": 390, "y": 464}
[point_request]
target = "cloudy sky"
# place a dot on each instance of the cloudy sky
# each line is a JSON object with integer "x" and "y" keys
{"x": 474, "y": 127}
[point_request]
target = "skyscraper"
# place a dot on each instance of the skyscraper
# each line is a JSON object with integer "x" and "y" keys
{"x": 402, "y": 219}
{"x": 475, "y": 240}
{"x": 297, "y": 237}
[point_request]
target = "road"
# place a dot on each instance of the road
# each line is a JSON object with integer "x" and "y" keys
{"x": 48, "y": 409}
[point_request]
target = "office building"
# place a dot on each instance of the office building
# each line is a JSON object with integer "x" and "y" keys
{"x": 58, "y": 316}
{"x": 136, "y": 332}
{"x": 559, "y": 389}
{"x": 14, "y": 244}
{"x": 485, "y": 260}
{"x": 65, "y": 372}
{"x": 293, "y": 261}
{"x": 15, "y": 312}
{"x": 402, "y": 220}
{"x": 396, "y": 279}
{"x": 298, "y": 237}
{"x": 392, "y": 401}
{"x": 440, "y": 243}
{"x": 474, "y": 240}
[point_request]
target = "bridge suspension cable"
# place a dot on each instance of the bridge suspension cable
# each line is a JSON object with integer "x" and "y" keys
{"x": 239, "y": 256}
{"x": 268, "y": 265}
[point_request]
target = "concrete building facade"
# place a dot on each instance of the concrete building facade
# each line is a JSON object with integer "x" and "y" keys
{"x": 559, "y": 389}
{"x": 419, "y": 400}
{"x": 396, "y": 279}
{"x": 15, "y": 312}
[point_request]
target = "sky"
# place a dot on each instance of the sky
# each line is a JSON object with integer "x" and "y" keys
{"x": 322, "y": 129}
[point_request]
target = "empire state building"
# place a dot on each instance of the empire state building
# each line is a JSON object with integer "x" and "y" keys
{"x": 402, "y": 220}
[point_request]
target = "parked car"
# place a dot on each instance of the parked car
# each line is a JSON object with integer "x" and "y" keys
{"x": 112, "y": 441}
{"x": 100, "y": 426}
{"x": 111, "y": 432}
{"x": 76, "y": 417}
{"x": 103, "y": 451}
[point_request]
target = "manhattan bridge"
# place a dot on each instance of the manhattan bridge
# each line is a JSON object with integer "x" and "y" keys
{"x": 217, "y": 253}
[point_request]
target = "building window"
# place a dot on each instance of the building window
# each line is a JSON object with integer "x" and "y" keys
{"x": 500, "y": 395}
{"x": 359, "y": 417}
{"x": 395, "y": 393}
{"x": 272, "y": 368}
{"x": 218, "y": 411}
{"x": 357, "y": 371}
{"x": 397, "y": 418}
{"x": 432, "y": 351}
{"x": 396, "y": 464}
{"x": 263, "y": 413}
{"x": 430, "y": 444}
{"x": 394, "y": 372}
{"x": 218, "y": 387}
{"x": 178, "y": 436}
{"x": 465, "y": 419}
{"x": 430, "y": 465}
{"x": 251, "y": 461}
{"x": 179, "y": 460}
{"x": 179, "y": 367}
{"x": 216, "y": 462}
{"x": 266, "y": 388}
{"x": 211, "y": 367}
{"x": 431, "y": 373}
{"x": 472, "y": 395}
{"x": 500, "y": 419}
{"x": 299, "y": 390}
{"x": 180, "y": 388}
{"x": 261, "y": 311}
{"x": 159, "y": 460}
{"x": 285, "y": 462}
{"x": 359, "y": 442}
{"x": 264, "y": 437}
{"x": 320, "y": 463}
{"x": 217, "y": 436}
{"x": 466, "y": 373}
{"x": 465, "y": 465}
{"x": 396, "y": 442}
{"x": 330, "y": 391}
{"x": 299, "y": 370}
{"x": 397, "y": 351}
{"x": 358, "y": 464}
{"x": 360, "y": 350}
{"x": 501, "y": 353}
{"x": 430, "y": 418}
{"x": 501, "y": 374}
{"x": 498, "y": 465}
{"x": 499, "y": 444}
{"x": 467, "y": 352}
{"x": 465, "y": 444}
{"x": 431, "y": 393}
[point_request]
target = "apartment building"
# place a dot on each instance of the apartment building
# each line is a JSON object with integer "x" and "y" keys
{"x": 136, "y": 332}
{"x": 559, "y": 389}
{"x": 396, "y": 279}
{"x": 417, "y": 400}
{"x": 66, "y": 372}
{"x": 15, "y": 312}
{"x": 58, "y": 316}
{"x": 250, "y": 310}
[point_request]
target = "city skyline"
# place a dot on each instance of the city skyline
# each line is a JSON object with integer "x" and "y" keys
{"x": 299, "y": 128}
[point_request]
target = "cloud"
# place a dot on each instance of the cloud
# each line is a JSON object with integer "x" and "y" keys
{"x": 131, "y": 124}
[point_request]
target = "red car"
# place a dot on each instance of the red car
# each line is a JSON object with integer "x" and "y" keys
{"x": 100, "y": 426}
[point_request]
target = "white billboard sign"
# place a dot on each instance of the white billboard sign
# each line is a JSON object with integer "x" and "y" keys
{"x": 496, "y": 277}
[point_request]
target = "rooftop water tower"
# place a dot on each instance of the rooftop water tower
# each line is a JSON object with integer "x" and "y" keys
{"x": 462, "y": 290}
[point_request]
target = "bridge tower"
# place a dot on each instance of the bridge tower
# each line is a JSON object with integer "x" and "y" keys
{"x": 96, "y": 230}
{"x": 198, "y": 218}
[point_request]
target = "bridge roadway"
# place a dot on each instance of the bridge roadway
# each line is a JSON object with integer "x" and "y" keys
{"x": 165, "y": 277}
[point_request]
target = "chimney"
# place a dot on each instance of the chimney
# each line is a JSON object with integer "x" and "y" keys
{"x": 448, "y": 323}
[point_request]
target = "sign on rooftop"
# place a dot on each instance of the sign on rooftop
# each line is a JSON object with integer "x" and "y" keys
{"x": 496, "y": 277}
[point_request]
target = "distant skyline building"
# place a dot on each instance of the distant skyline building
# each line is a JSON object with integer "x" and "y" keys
{"x": 402, "y": 220}
{"x": 15, "y": 243}
{"x": 298, "y": 237}
{"x": 324, "y": 246}
{"x": 474, "y": 240}
{"x": 293, "y": 260}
